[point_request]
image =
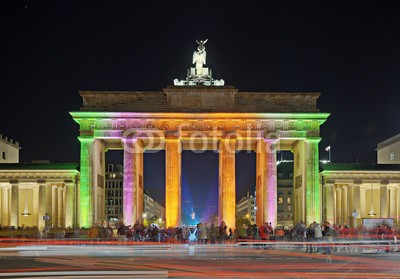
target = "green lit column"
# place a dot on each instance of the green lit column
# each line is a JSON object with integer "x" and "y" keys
{"x": 329, "y": 203}
{"x": 313, "y": 190}
{"x": 85, "y": 189}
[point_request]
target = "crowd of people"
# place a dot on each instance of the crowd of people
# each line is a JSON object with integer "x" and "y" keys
{"x": 204, "y": 233}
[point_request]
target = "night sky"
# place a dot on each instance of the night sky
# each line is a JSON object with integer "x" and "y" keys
{"x": 347, "y": 50}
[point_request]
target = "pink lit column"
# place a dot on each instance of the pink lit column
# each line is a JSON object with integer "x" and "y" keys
{"x": 270, "y": 179}
{"x": 266, "y": 191}
{"x": 133, "y": 182}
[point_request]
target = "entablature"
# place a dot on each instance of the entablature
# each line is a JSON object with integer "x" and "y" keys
{"x": 10, "y": 176}
{"x": 358, "y": 178}
{"x": 288, "y": 125}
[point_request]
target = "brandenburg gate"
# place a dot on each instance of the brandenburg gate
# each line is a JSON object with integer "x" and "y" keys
{"x": 198, "y": 114}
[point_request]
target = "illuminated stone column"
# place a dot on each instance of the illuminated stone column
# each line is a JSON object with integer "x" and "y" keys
{"x": 85, "y": 211}
{"x": 227, "y": 182}
{"x": 362, "y": 201}
{"x": 398, "y": 205}
{"x": 49, "y": 204}
{"x": 313, "y": 197}
{"x": 133, "y": 181}
{"x": 129, "y": 174}
{"x": 98, "y": 180}
{"x": 35, "y": 205}
{"x": 298, "y": 150}
{"x": 338, "y": 205}
{"x": 172, "y": 182}
{"x": 14, "y": 214}
{"x": 344, "y": 205}
{"x": 271, "y": 182}
{"x": 64, "y": 192}
{"x": 383, "y": 201}
{"x": 54, "y": 210}
{"x": 350, "y": 194}
{"x": 139, "y": 183}
{"x": 329, "y": 203}
{"x": 260, "y": 185}
{"x": 356, "y": 202}
{"x": 60, "y": 203}
{"x": 69, "y": 204}
{"x": 4, "y": 207}
{"x": 42, "y": 206}
{"x": 392, "y": 202}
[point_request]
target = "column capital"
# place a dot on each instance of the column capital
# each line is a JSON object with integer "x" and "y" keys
{"x": 357, "y": 182}
{"x": 384, "y": 182}
{"x": 86, "y": 139}
{"x": 270, "y": 140}
{"x": 172, "y": 135}
{"x": 229, "y": 136}
{"x": 312, "y": 139}
{"x": 129, "y": 140}
{"x": 172, "y": 139}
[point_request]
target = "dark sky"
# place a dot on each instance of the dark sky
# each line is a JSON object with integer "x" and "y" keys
{"x": 347, "y": 50}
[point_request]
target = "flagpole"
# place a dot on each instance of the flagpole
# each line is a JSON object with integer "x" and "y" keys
{"x": 329, "y": 154}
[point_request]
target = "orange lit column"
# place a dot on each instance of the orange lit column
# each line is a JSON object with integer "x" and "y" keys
{"x": 172, "y": 182}
{"x": 260, "y": 189}
{"x": 227, "y": 182}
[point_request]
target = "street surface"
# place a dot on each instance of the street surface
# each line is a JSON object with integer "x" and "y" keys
{"x": 183, "y": 260}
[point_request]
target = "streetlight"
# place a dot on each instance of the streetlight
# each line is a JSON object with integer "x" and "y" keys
{"x": 328, "y": 148}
